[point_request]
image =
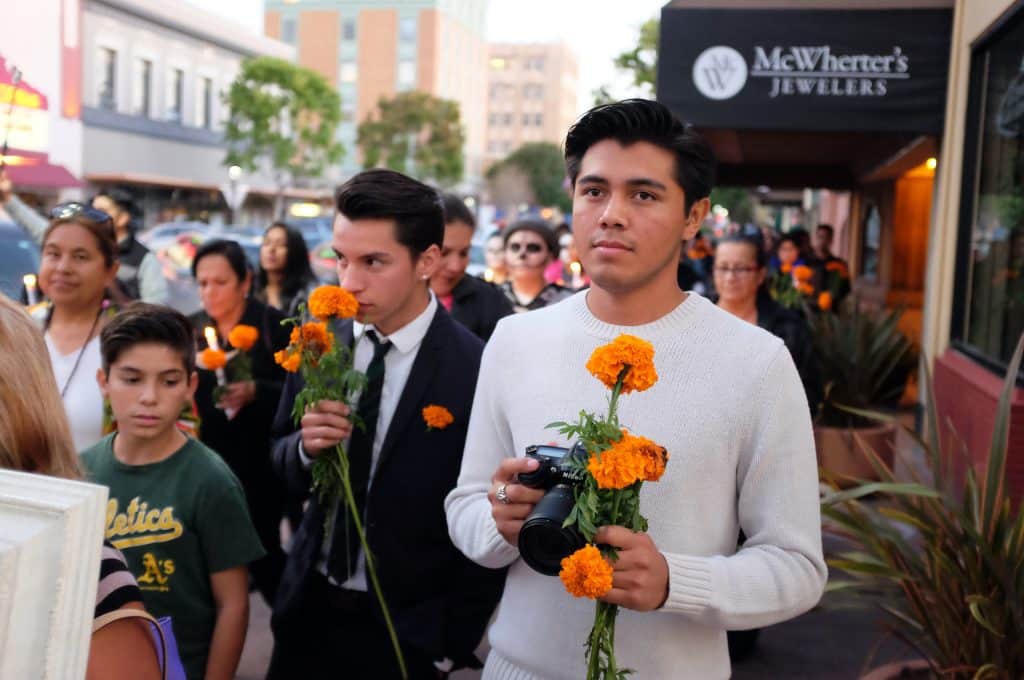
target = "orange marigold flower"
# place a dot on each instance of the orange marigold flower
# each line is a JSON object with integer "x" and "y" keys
{"x": 586, "y": 573}
{"x": 786, "y": 268}
{"x": 288, "y": 361}
{"x": 607, "y": 362}
{"x": 629, "y": 460}
{"x": 243, "y": 337}
{"x": 329, "y": 302}
{"x": 825, "y": 301}
{"x": 802, "y": 272}
{"x": 437, "y": 417}
{"x": 313, "y": 336}
{"x": 213, "y": 358}
{"x": 805, "y": 288}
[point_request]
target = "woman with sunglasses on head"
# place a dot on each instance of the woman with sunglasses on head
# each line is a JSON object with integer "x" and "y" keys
{"x": 236, "y": 418}
{"x": 530, "y": 246}
{"x": 78, "y": 266}
{"x": 284, "y": 279}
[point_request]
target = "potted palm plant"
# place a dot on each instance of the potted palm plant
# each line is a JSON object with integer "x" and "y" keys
{"x": 944, "y": 557}
{"x": 865, "y": 363}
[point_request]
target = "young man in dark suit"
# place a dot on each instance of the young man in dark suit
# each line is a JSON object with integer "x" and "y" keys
{"x": 387, "y": 235}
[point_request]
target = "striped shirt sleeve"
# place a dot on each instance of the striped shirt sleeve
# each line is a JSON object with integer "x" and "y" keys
{"x": 117, "y": 585}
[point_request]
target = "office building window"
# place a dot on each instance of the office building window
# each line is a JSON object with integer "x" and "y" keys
{"x": 348, "y": 29}
{"x": 407, "y": 29}
{"x": 107, "y": 78}
{"x": 538, "y": 119}
{"x": 349, "y": 72}
{"x": 289, "y": 30}
{"x": 533, "y": 91}
{"x": 508, "y": 119}
{"x": 527, "y": 119}
{"x": 143, "y": 86}
{"x": 534, "y": 64}
{"x": 176, "y": 95}
{"x": 206, "y": 119}
{"x": 988, "y": 313}
{"x": 406, "y": 75}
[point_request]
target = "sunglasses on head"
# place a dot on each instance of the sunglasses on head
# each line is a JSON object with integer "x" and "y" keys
{"x": 531, "y": 248}
{"x": 73, "y": 209}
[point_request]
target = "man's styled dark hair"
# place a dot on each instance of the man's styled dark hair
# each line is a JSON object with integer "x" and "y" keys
{"x": 456, "y": 210}
{"x": 229, "y": 250}
{"x": 141, "y": 323}
{"x": 827, "y": 227}
{"x": 386, "y": 194}
{"x": 642, "y": 120}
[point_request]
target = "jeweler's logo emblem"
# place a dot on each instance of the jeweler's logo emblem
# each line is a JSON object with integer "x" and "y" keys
{"x": 720, "y": 72}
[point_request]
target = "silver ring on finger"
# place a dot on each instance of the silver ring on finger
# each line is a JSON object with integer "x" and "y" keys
{"x": 502, "y": 494}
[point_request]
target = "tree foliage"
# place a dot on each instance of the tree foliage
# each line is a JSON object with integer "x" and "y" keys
{"x": 544, "y": 167}
{"x": 640, "y": 64}
{"x": 418, "y": 127}
{"x": 284, "y": 114}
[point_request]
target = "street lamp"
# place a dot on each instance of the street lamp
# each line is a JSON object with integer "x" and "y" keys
{"x": 233, "y": 197}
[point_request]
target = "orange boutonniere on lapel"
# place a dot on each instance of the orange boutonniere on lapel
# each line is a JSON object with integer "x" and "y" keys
{"x": 437, "y": 417}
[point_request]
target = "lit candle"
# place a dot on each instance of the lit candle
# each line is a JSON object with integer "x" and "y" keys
{"x": 577, "y": 281}
{"x": 211, "y": 337}
{"x": 31, "y": 288}
{"x": 222, "y": 380}
{"x": 489, "y": 275}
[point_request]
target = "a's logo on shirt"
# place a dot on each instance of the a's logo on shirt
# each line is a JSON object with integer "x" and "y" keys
{"x": 140, "y": 525}
{"x": 155, "y": 573}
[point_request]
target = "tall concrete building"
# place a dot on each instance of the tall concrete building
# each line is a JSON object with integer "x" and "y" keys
{"x": 153, "y": 73}
{"x": 373, "y": 49}
{"x": 531, "y": 95}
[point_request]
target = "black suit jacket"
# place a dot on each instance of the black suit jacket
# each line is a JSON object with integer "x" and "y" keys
{"x": 440, "y": 601}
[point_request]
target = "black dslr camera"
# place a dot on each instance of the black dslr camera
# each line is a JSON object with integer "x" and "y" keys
{"x": 543, "y": 541}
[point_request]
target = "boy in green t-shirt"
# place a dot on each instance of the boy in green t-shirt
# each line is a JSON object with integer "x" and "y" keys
{"x": 176, "y": 511}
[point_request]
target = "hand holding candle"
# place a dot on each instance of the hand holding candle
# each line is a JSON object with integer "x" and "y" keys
{"x": 212, "y": 342}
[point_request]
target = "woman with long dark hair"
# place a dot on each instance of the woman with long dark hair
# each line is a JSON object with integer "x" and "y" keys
{"x": 285, "y": 278}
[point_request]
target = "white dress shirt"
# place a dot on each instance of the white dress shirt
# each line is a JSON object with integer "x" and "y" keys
{"x": 398, "y": 364}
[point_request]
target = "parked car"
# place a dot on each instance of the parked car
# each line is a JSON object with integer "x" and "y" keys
{"x": 314, "y": 230}
{"x": 19, "y": 255}
{"x": 168, "y": 231}
{"x": 324, "y": 262}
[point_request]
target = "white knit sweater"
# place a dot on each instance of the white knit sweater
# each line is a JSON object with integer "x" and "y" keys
{"x": 730, "y": 409}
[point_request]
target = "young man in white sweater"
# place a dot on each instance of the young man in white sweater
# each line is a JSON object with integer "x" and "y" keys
{"x": 728, "y": 406}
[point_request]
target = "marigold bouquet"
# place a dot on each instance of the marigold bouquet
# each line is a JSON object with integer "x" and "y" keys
{"x": 617, "y": 465}
{"x": 326, "y": 367}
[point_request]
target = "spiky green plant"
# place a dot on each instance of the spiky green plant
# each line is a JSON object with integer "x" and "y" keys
{"x": 945, "y": 559}
{"x": 865, "y": 362}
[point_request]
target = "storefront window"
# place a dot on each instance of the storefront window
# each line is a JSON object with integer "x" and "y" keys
{"x": 992, "y": 289}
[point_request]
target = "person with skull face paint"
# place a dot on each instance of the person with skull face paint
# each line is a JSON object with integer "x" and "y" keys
{"x": 530, "y": 246}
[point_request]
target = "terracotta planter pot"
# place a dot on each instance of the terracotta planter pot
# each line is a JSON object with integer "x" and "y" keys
{"x": 917, "y": 669}
{"x": 841, "y": 450}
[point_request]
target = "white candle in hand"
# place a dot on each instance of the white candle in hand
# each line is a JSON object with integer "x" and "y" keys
{"x": 222, "y": 380}
{"x": 31, "y": 288}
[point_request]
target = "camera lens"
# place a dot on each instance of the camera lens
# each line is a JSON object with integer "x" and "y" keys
{"x": 543, "y": 542}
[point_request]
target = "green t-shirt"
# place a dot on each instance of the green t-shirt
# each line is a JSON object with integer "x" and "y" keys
{"x": 177, "y": 522}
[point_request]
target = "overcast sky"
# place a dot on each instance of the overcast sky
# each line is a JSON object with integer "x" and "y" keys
{"x": 596, "y": 30}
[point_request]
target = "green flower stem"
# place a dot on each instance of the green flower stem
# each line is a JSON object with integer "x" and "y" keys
{"x": 341, "y": 464}
{"x": 613, "y": 403}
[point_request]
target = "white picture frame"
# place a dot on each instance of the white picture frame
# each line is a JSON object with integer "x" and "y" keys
{"x": 51, "y": 536}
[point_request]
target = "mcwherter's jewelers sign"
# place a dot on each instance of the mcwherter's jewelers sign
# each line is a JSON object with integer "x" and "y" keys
{"x": 807, "y": 69}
